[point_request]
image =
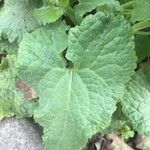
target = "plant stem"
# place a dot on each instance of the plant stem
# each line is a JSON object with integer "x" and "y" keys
{"x": 142, "y": 33}
{"x": 129, "y": 4}
{"x": 70, "y": 13}
{"x": 141, "y": 25}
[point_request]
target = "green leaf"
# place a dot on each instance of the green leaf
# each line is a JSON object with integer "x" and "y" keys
{"x": 103, "y": 58}
{"x": 85, "y": 6}
{"x": 48, "y": 14}
{"x": 17, "y": 18}
{"x": 141, "y": 10}
{"x": 142, "y": 46}
{"x": 64, "y": 3}
{"x": 41, "y": 50}
{"x": 77, "y": 100}
{"x": 136, "y": 102}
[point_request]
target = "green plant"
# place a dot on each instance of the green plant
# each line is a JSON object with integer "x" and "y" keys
{"x": 81, "y": 59}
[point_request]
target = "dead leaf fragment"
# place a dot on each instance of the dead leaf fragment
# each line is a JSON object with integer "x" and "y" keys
{"x": 28, "y": 92}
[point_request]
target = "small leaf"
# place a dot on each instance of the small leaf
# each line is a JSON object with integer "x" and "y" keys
{"x": 48, "y": 14}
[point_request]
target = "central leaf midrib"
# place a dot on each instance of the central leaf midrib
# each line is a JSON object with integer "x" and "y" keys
{"x": 70, "y": 71}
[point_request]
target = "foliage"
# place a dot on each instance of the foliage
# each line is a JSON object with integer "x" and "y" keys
{"x": 81, "y": 58}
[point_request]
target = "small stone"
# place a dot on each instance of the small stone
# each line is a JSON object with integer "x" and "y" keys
{"x": 141, "y": 141}
{"x": 19, "y": 134}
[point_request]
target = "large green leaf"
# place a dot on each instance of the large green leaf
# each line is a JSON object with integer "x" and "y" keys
{"x": 41, "y": 50}
{"x": 17, "y": 18}
{"x": 141, "y": 10}
{"x": 136, "y": 102}
{"x": 77, "y": 100}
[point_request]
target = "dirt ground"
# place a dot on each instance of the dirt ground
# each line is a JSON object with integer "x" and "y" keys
{"x": 114, "y": 142}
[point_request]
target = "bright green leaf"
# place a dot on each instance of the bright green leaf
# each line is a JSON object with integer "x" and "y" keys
{"x": 64, "y": 3}
{"x": 48, "y": 14}
{"x": 136, "y": 102}
{"x": 78, "y": 100}
{"x": 141, "y": 10}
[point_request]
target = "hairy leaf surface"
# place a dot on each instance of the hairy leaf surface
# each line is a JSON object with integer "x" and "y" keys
{"x": 136, "y": 102}
{"x": 77, "y": 100}
{"x": 41, "y": 51}
{"x": 17, "y": 18}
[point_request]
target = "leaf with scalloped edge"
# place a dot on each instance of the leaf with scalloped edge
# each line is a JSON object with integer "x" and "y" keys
{"x": 78, "y": 100}
{"x": 17, "y": 17}
{"x": 136, "y": 101}
{"x": 36, "y": 56}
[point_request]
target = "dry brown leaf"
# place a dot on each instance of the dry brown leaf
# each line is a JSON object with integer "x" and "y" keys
{"x": 28, "y": 92}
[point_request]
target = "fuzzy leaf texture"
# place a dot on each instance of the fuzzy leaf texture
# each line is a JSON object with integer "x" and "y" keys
{"x": 78, "y": 100}
{"x": 35, "y": 53}
{"x": 141, "y": 10}
{"x": 136, "y": 102}
{"x": 17, "y": 17}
